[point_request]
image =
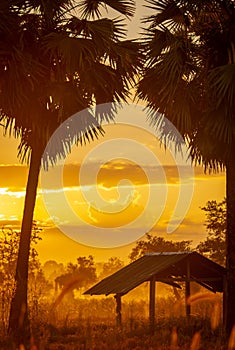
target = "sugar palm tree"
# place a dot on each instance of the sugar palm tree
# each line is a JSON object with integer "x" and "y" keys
{"x": 54, "y": 62}
{"x": 189, "y": 77}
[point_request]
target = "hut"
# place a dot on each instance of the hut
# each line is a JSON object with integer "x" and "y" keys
{"x": 166, "y": 267}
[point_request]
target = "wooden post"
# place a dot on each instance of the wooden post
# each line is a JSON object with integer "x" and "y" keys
{"x": 118, "y": 310}
{"x": 187, "y": 291}
{"x": 152, "y": 304}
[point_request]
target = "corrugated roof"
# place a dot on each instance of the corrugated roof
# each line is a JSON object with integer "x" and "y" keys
{"x": 163, "y": 266}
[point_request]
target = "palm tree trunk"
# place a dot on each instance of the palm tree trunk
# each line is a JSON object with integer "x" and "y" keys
{"x": 19, "y": 330}
{"x": 230, "y": 244}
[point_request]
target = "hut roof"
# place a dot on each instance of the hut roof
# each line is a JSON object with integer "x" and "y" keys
{"x": 165, "y": 267}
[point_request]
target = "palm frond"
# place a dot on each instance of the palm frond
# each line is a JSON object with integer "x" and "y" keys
{"x": 79, "y": 129}
{"x": 50, "y": 9}
{"x": 127, "y": 58}
{"x": 74, "y": 53}
{"x": 221, "y": 81}
{"x": 9, "y": 125}
{"x": 102, "y": 31}
{"x": 207, "y": 151}
{"x": 224, "y": 128}
{"x": 92, "y": 8}
{"x": 125, "y": 7}
{"x": 9, "y": 19}
{"x": 106, "y": 112}
{"x": 105, "y": 83}
{"x": 171, "y": 13}
{"x": 157, "y": 41}
{"x": 24, "y": 149}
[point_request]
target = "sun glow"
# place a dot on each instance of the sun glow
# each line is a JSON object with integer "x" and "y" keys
{"x": 119, "y": 195}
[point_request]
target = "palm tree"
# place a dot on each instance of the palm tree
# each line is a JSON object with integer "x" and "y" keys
{"x": 189, "y": 77}
{"x": 54, "y": 62}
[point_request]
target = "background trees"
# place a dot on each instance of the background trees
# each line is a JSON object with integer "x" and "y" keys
{"x": 112, "y": 265}
{"x": 152, "y": 243}
{"x": 9, "y": 245}
{"x": 79, "y": 275}
{"x": 214, "y": 246}
{"x": 189, "y": 78}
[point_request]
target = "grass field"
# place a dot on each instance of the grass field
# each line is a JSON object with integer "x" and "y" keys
{"x": 169, "y": 334}
{"x": 89, "y": 324}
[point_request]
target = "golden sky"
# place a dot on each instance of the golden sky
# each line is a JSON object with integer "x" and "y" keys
{"x": 107, "y": 194}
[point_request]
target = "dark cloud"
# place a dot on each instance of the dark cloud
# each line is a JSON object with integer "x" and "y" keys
{"x": 111, "y": 173}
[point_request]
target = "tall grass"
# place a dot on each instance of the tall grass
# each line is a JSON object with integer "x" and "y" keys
{"x": 64, "y": 322}
{"x": 89, "y": 324}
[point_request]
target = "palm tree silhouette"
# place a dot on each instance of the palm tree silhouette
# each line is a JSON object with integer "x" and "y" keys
{"x": 55, "y": 62}
{"x": 189, "y": 77}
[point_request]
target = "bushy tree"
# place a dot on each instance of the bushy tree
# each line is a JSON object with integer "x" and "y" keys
{"x": 79, "y": 275}
{"x": 112, "y": 265}
{"x": 214, "y": 246}
{"x": 152, "y": 243}
{"x": 52, "y": 269}
{"x": 9, "y": 245}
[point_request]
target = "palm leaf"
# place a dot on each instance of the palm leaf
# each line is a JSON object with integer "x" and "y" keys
{"x": 77, "y": 129}
{"x": 222, "y": 83}
{"x": 92, "y": 8}
{"x": 75, "y": 53}
{"x": 105, "y": 83}
{"x": 168, "y": 12}
{"x": 106, "y": 28}
{"x": 158, "y": 41}
{"x": 127, "y": 58}
{"x": 208, "y": 151}
{"x": 125, "y": 7}
{"x": 50, "y": 9}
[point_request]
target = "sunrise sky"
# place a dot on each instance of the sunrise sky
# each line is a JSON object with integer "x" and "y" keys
{"x": 107, "y": 194}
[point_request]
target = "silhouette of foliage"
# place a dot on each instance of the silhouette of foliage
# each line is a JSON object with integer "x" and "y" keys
{"x": 153, "y": 243}
{"x": 80, "y": 275}
{"x": 214, "y": 245}
{"x": 112, "y": 265}
{"x": 9, "y": 244}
